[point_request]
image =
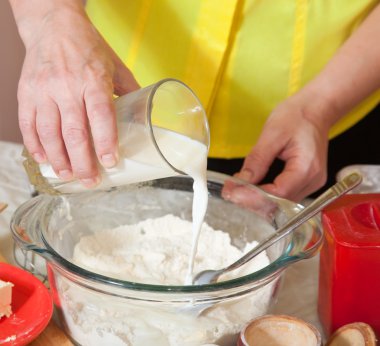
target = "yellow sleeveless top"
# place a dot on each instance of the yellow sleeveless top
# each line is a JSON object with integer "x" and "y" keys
{"x": 241, "y": 58}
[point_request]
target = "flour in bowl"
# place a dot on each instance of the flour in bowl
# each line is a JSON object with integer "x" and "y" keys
{"x": 156, "y": 251}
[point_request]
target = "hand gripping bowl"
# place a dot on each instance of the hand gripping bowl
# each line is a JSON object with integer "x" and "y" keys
{"x": 98, "y": 310}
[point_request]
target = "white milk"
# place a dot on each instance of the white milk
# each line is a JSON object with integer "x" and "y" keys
{"x": 197, "y": 169}
{"x": 141, "y": 161}
{"x": 190, "y": 157}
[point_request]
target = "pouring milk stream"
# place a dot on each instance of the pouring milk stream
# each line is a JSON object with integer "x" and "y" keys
{"x": 163, "y": 132}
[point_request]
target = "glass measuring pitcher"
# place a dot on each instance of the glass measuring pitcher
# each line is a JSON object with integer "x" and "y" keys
{"x": 161, "y": 128}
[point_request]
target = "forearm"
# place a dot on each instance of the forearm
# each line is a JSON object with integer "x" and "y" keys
{"x": 351, "y": 75}
{"x": 32, "y": 15}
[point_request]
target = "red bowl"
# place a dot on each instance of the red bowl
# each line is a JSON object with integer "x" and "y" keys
{"x": 32, "y": 307}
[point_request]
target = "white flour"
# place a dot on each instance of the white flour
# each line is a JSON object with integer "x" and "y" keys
{"x": 156, "y": 251}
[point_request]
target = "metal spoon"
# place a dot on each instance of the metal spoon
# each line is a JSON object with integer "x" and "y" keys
{"x": 346, "y": 184}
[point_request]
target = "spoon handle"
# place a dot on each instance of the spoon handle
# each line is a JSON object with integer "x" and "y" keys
{"x": 341, "y": 187}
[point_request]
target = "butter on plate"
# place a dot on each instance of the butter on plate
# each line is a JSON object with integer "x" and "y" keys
{"x": 5, "y": 298}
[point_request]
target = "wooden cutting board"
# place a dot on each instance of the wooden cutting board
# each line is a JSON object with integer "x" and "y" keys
{"x": 52, "y": 335}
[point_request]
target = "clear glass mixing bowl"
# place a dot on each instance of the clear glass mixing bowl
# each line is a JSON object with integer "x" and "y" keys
{"x": 98, "y": 310}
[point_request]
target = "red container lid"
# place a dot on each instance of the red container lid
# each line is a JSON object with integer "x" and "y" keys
{"x": 355, "y": 220}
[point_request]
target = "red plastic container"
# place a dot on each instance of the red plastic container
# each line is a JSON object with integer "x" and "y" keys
{"x": 349, "y": 276}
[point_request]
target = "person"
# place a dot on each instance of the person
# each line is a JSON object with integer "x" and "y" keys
{"x": 277, "y": 79}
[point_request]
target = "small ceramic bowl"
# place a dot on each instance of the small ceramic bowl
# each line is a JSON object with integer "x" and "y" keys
{"x": 279, "y": 330}
{"x": 353, "y": 334}
{"x": 32, "y": 307}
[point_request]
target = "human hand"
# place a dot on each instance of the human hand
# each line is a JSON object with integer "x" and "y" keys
{"x": 249, "y": 197}
{"x": 298, "y": 137}
{"x": 66, "y": 112}
{"x": 297, "y": 130}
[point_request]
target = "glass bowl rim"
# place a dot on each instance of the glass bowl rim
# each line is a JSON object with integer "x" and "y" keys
{"x": 262, "y": 276}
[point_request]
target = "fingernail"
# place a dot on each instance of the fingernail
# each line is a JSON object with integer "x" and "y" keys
{"x": 39, "y": 158}
{"x": 90, "y": 182}
{"x": 65, "y": 174}
{"x": 226, "y": 194}
{"x": 108, "y": 160}
{"x": 245, "y": 175}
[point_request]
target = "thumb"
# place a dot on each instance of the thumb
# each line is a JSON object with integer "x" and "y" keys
{"x": 259, "y": 160}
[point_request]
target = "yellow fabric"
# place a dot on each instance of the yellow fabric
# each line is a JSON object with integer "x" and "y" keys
{"x": 296, "y": 62}
{"x": 240, "y": 57}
